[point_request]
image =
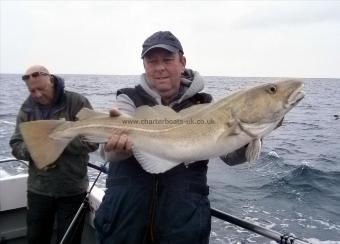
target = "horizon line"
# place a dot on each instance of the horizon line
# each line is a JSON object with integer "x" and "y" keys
{"x": 230, "y": 76}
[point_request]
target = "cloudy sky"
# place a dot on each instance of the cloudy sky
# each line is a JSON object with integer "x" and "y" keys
{"x": 230, "y": 38}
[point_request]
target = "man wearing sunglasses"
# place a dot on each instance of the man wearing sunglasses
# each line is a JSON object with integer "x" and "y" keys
{"x": 59, "y": 189}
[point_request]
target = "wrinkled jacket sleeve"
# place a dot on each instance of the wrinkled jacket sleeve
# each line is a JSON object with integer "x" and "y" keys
{"x": 236, "y": 157}
{"x": 77, "y": 145}
{"x": 19, "y": 149}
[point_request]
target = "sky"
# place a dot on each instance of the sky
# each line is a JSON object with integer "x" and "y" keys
{"x": 220, "y": 38}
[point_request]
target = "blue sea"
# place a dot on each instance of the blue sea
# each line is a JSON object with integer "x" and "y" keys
{"x": 293, "y": 188}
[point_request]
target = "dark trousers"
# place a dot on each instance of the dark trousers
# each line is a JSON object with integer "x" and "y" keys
{"x": 41, "y": 213}
{"x": 124, "y": 217}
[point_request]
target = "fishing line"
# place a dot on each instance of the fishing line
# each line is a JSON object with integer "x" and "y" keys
{"x": 84, "y": 203}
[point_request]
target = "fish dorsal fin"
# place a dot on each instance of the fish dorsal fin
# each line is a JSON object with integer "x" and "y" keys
{"x": 86, "y": 113}
{"x": 253, "y": 150}
{"x": 152, "y": 163}
{"x": 191, "y": 111}
{"x": 156, "y": 112}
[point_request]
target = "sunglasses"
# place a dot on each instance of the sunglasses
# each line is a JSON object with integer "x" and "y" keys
{"x": 34, "y": 75}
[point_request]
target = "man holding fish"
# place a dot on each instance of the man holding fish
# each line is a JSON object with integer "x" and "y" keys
{"x": 171, "y": 207}
{"x": 59, "y": 188}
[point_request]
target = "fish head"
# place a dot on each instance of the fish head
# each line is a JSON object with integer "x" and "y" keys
{"x": 268, "y": 103}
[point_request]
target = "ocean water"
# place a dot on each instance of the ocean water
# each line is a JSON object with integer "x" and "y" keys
{"x": 293, "y": 188}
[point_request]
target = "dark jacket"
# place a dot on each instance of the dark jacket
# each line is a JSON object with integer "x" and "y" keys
{"x": 139, "y": 207}
{"x": 69, "y": 174}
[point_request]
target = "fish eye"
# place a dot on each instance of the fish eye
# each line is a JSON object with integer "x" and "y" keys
{"x": 272, "y": 89}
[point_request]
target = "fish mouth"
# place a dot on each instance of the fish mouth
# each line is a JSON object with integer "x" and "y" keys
{"x": 295, "y": 97}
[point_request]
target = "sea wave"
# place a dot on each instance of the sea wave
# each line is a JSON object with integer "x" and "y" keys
{"x": 306, "y": 178}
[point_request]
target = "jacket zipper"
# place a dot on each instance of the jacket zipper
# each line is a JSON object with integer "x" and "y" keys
{"x": 152, "y": 212}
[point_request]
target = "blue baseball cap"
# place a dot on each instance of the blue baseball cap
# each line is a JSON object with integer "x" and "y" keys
{"x": 162, "y": 39}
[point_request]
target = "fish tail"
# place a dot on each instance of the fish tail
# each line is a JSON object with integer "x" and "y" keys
{"x": 43, "y": 149}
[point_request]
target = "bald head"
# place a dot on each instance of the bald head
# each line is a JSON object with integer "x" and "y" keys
{"x": 36, "y": 68}
{"x": 39, "y": 84}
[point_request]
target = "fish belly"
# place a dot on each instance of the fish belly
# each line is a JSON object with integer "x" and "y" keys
{"x": 189, "y": 149}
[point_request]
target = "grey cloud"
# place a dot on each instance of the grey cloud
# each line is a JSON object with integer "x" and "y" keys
{"x": 292, "y": 14}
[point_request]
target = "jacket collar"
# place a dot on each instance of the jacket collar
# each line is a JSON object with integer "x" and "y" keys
{"x": 191, "y": 84}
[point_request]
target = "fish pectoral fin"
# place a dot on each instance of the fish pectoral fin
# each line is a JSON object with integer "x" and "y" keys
{"x": 224, "y": 135}
{"x": 231, "y": 126}
{"x": 232, "y": 121}
{"x": 86, "y": 113}
{"x": 152, "y": 163}
{"x": 228, "y": 132}
{"x": 253, "y": 150}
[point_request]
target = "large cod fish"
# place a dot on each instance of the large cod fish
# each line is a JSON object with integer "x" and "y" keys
{"x": 163, "y": 138}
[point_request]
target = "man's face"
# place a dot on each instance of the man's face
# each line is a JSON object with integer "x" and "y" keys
{"x": 163, "y": 71}
{"x": 40, "y": 87}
